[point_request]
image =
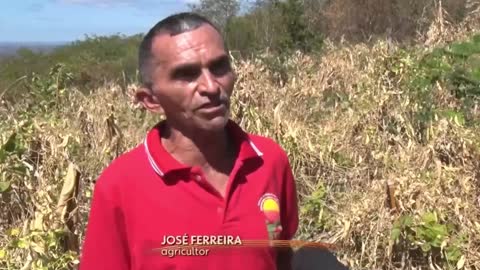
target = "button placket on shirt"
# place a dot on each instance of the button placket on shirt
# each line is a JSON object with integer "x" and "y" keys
{"x": 221, "y": 207}
{"x": 196, "y": 174}
{"x": 232, "y": 179}
{"x": 198, "y": 177}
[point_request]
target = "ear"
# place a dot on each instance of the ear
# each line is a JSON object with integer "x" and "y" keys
{"x": 144, "y": 96}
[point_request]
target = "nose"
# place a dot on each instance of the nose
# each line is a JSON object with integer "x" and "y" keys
{"x": 208, "y": 83}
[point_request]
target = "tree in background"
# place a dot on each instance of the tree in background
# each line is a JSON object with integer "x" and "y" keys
{"x": 400, "y": 20}
{"x": 298, "y": 35}
{"x": 274, "y": 25}
{"x": 220, "y": 12}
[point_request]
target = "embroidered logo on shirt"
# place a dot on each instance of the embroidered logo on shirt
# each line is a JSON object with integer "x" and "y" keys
{"x": 269, "y": 205}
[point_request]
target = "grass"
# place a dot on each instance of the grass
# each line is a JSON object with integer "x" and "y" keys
{"x": 383, "y": 140}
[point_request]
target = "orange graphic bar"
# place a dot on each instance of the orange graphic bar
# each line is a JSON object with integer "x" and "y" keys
{"x": 260, "y": 243}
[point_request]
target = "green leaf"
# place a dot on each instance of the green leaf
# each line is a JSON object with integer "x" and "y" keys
{"x": 22, "y": 244}
{"x": 476, "y": 74}
{"x": 454, "y": 115}
{"x": 453, "y": 254}
{"x": 435, "y": 234}
{"x": 440, "y": 229}
{"x": 20, "y": 169}
{"x": 426, "y": 247}
{"x": 476, "y": 39}
{"x": 464, "y": 49}
{"x": 407, "y": 221}
{"x": 429, "y": 218}
{"x": 395, "y": 234}
{"x": 9, "y": 146}
{"x": 4, "y": 186}
{"x": 3, "y": 155}
{"x": 420, "y": 233}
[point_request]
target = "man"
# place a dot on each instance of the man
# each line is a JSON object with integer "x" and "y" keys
{"x": 196, "y": 175}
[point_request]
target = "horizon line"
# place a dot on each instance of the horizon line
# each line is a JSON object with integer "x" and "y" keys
{"x": 69, "y": 40}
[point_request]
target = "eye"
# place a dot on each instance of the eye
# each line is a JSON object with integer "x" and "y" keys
{"x": 220, "y": 67}
{"x": 186, "y": 73}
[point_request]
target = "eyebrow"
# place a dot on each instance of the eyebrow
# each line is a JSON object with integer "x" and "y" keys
{"x": 223, "y": 57}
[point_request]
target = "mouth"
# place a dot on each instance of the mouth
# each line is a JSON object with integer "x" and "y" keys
{"x": 213, "y": 107}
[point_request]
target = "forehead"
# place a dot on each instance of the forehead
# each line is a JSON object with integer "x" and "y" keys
{"x": 201, "y": 44}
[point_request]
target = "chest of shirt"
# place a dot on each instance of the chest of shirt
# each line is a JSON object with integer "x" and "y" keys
{"x": 161, "y": 214}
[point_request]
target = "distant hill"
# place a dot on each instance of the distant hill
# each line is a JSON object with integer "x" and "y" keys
{"x": 10, "y": 48}
{"x": 90, "y": 61}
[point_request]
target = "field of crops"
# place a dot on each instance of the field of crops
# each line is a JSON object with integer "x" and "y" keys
{"x": 383, "y": 139}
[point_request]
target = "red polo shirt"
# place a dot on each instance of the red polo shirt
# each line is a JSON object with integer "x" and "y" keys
{"x": 145, "y": 195}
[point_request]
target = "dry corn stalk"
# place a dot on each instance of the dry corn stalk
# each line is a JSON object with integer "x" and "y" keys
{"x": 391, "y": 195}
{"x": 67, "y": 204}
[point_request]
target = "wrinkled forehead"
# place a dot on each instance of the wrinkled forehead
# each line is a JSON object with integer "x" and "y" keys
{"x": 195, "y": 45}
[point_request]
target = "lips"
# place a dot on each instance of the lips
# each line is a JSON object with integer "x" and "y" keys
{"x": 213, "y": 107}
{"x": 214, "y": 103}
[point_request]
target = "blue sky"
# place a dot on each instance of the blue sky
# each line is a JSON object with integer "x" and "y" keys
{"x": 67, "y": 20}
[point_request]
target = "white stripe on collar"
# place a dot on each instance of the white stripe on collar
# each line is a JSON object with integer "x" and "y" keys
{"x": 151, "y": 160}
{"x": 157, "y": 169}
{"x": 255, "y": 148}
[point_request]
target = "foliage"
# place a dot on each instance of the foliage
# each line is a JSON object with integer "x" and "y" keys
{"x": 455, "y": 68}
{"x": 459, "y": 64}
{"x": 298, "y": 35}
{"x": 91, "y": 62}
{"x": 46, "y": 247}
{"x": 431, "y": 236}
{"x": 42, "y": 247}
{"x": 220, "y": 12}
{"x": 316, "y": 205}
{"x": 279, "y": 26}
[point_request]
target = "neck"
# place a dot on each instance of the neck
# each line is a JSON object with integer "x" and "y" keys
{"x": 197, "y": 148}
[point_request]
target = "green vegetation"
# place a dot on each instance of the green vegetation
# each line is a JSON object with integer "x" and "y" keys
{"x": 432, "y": 237}
{"x": 91, "y": 62}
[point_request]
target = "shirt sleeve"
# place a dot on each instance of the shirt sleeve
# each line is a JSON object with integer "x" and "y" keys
{"x": 289, "y": 214}
{"x": 105, "y": 245}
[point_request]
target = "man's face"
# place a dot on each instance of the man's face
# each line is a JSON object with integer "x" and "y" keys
{"x": 192, "y": 78}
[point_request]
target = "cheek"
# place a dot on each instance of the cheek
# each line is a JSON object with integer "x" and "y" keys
{"x": 177, "y": 96}
{"x": 189, "y": 95}
{"x": 228, "y": 82}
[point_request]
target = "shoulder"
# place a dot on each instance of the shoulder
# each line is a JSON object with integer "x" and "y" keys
{"x": 118, "y": 171}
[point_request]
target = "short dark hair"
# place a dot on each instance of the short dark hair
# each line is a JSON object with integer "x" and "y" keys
{"x": 174, "y": 24}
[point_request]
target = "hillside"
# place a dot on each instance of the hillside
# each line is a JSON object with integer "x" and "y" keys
{"x": 91, "y": 62}
{"x": 11, "y": 48}
{"x": 382, "y": 137}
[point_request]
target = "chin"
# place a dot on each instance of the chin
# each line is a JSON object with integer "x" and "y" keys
{"x": 214, "y": 124}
